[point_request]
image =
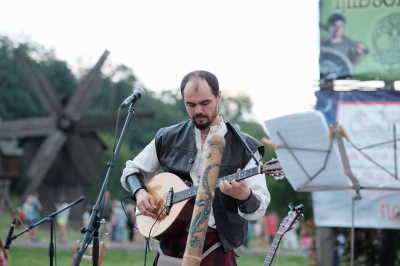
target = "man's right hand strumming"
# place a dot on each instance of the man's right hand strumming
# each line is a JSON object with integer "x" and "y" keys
{"x": 146, "y": 203}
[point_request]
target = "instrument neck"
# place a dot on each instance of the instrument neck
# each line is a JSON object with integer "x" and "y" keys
{"x": 272, "y": 250}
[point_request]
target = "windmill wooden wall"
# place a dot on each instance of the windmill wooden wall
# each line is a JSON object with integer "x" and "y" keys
{"x": 63, "y": 180}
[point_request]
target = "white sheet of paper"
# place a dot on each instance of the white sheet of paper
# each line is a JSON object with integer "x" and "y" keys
{"x": 308, "y": 159}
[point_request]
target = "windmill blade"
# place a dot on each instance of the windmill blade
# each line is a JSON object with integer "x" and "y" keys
{"x": 102, "y": 122}
{"x": 29, "y": 127}
{"x": 84, "y": 159}
{"x": 44, "y": 158}
{"x": 80, "y": 101}
{"x": 40, "y": 84}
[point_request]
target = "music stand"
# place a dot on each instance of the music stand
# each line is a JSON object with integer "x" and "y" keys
{"x": 314, "y": 158}
{"x": 50, "y": 218}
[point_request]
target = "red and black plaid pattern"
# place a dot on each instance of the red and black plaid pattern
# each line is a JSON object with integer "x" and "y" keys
{"x": 176, "y": 248}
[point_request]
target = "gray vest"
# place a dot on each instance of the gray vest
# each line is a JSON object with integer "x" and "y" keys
{"x": 176, "y": 151}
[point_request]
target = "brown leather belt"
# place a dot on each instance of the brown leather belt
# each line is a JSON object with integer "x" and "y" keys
{"x": 211, "y": 230}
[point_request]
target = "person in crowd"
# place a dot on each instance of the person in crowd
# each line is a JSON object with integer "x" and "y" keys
{"x": 131, "y": 223}
{"x": 106, "y": 215}
{"x": 340, "y": 248}
{"x": 181, "y": 149}
{"x": 37, "y": 208}
{"x": 291, "y": 240}
{"x": 86, "y": 215}
{"x": 118, "y": 221}
{"x": 271, "y": 224}
{"x": 27, "y": 209}
{"x": 306, "y": 233}
{"x": 259, "y": 233}
{"x": 20, "y": 215}
{"x": 266, "y": 229}
{"x": 248, "y": 236}
{"x": 62, "y": 219}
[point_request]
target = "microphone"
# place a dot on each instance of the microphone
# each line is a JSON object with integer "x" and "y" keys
{"x": 137, "y": 94}
{"x": 8, "y": 240}
{"x": 78, "y": 200}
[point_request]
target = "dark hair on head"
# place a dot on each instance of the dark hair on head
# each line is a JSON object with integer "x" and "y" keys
{"x": 336, "y": 17}
{"x": 209, "y": 77}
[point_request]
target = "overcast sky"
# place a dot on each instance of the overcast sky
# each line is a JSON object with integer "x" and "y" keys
{"x": 267, "y": 49}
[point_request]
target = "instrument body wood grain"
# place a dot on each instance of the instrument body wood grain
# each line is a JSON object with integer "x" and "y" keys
{"x": 179, "y": 214}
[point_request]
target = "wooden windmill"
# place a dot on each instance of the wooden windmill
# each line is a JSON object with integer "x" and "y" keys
{"x": 62, "y": 153}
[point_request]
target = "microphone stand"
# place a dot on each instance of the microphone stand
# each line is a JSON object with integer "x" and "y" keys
{"x": 51, "y": 220}
{"x": 93, "y": 225}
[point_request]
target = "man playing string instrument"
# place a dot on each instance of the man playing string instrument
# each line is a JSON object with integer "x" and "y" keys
{"x": 180, "y": 150}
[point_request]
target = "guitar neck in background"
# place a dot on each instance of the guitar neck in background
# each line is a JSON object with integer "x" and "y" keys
{"x": 272, "y": 250}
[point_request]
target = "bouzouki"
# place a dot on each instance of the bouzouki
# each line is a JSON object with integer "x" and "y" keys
{"x": 175, "y": 200}
{"x": 291, "y": 219}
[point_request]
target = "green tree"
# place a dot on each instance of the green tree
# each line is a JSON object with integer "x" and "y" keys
{"x": 14, "y": 87}
{"x": 282, "y": 193}
{"x": 167, "y": 108}
{"x": 140, "y": 132}
{"x": 235, "y": 108}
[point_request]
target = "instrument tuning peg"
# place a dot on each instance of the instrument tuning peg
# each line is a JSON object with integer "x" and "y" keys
{"x": 279, "y": 177}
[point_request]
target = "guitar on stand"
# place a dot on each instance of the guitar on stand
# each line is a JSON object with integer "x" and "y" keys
{"x": 289, "y": 223}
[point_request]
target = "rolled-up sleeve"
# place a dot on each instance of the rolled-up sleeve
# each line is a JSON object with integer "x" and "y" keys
{"x": 258, "y": 186}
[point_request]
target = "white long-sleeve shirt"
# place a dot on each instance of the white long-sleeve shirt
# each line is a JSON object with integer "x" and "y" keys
{"x": 147, "y": 164}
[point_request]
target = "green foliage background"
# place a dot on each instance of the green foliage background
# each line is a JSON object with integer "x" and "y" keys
{"x": 119, "y": 81}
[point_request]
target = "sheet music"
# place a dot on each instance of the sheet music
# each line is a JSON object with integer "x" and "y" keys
{"x": 305, "y": 152}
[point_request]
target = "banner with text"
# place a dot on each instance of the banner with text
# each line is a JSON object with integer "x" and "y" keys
{"x": 360, "y": 39}
{"x": 371, "y": 119}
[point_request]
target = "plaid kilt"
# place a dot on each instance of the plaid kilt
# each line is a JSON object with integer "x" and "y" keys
{"x": 218, "y": 257}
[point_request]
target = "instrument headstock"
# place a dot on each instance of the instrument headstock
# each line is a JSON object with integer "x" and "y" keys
{"x": 293, "y": 217}
{"x": 273, "y": 168}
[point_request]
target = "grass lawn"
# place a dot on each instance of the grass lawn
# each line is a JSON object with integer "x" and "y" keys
{"x": 39, "y": 257}
{"x": 32, "y": 254}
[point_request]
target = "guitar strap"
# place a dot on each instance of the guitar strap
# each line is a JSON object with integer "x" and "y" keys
{"x": 234, "y": 129}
